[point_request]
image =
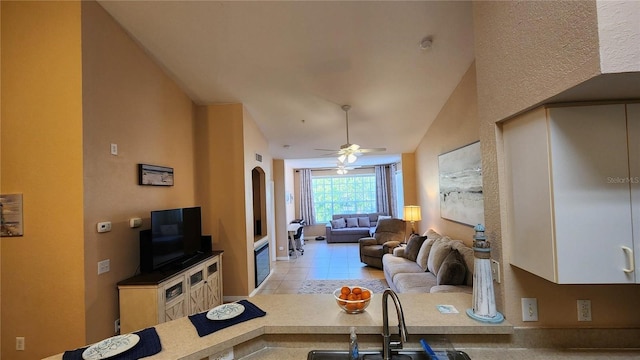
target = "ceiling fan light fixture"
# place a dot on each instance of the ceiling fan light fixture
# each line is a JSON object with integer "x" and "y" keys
{"x": 342, "y": 171}
{"x": 351, "y": 158}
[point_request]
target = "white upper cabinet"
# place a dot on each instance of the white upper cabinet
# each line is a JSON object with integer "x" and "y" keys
{"x": 570, "y": 174}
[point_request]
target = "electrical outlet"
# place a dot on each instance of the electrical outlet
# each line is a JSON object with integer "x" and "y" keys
{"x": 529, "y": 309}
{"x": 584, "y": 310}
{"x": 116, "y": 325}
{"x": 104, "y": 226}
{"x": 20, "y": 343}
{"x": 223, "y": 355}
{"x": 495, "y": 271}
{"x": 104, "y": 266}
{"x": 114, "y": 149}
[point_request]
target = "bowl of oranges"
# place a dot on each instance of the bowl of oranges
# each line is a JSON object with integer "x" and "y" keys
{"x": 353, "y": 299}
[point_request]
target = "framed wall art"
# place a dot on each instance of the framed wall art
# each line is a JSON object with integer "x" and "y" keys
{"x": 461, "y": 197}
{"x": 155, "y": 175}
{"x": 11, "y": 215}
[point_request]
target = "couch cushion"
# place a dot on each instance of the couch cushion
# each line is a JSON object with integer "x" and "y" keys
{"x": 423, "y": 254}
{"x": 338, "y": 223}
{"x": 414, "y": 282}
{"x": 352, "y": 222}
{"x": 468, "y": 258}
{"x": 364, "y": 222}
{"x": 432, "y": 234}
{"x": 394, "y": 265}
{"x": 439, "y": 251}
{"x": 452, "y": 271}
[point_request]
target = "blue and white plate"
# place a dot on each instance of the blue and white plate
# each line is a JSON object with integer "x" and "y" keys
{"x": 110, "y": 347}
{"x": 225, "y": 311}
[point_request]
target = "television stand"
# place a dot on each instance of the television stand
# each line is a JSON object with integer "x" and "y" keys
{"x": 159, "y": 296}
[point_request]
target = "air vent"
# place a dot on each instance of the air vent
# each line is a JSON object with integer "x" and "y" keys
{"x": 258, "y": 157}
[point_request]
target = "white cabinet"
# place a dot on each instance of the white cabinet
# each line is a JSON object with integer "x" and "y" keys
{"x": 571, "y": 182}
{"x": 150, "y": 299}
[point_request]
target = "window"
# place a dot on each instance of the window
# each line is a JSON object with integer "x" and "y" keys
{"x": 345, "y": 194}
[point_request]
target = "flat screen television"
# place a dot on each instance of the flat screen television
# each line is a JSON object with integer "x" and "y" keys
{"x": 175, "y": 236}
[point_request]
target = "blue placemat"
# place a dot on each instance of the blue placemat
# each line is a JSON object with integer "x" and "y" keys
{"x": 205, "y": 326}
{"x": 148, "y": 345}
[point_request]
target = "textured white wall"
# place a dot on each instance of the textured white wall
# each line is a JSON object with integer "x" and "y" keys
{"x": 619, "y": 32}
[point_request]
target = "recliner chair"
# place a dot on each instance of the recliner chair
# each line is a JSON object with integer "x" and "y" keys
{"x": 388, "y": 235}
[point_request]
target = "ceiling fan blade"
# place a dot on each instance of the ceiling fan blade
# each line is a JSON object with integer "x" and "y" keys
{"x": 372, "y": 150}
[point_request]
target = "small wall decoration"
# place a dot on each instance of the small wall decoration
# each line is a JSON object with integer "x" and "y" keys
{"x": 461, "y": 197}
{"x": 11, "y": 215}
{"x": 155, "y": 175}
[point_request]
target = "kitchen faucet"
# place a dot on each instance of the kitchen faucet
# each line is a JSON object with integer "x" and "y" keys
{"x": 387, "y": 344}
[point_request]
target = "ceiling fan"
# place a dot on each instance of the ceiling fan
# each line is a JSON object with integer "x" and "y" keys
{"x": 349, "y": 152}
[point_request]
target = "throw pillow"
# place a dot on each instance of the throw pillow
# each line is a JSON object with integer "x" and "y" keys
{"x": 423, "y": 254}
{"x": 452, "y": 271}
{"x": 432, "y": 234}
{"x": 338, "y": 223}
{"x": 413, "y": 247}
{"x": 439, "y": 251}
{"x": 364, "y": 222}
{"x": 352, "y": 222}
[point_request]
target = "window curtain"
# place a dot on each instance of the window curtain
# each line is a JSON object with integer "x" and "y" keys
{"x": 382, "y": 189}
{"x": 393, "y": 199}
{"x": 307, "y": 211}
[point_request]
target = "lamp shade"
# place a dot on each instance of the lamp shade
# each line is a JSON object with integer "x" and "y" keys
{"x": 412, "y": 213}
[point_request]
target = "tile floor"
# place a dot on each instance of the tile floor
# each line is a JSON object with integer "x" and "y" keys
{"x": 321, "y": 261}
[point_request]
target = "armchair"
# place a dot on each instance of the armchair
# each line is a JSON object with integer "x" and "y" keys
{"x": 388, "y": 235}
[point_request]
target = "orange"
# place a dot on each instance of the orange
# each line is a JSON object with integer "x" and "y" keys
{"x": 345, "y": 290}
{"x": 356, "y": 290}
{"x": 352, "y": 296}
{"x": 366, "y": 294}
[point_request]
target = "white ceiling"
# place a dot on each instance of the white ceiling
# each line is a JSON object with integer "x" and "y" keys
{"x": 294, "y": 63}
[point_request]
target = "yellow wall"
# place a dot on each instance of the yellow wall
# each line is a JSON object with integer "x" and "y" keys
{"x": 228, "y": 138}
{"x": 129, "y": 101}
{"x": 254, "y": 143}
{"x": 221, "y": 126}
{"x": 42, "y": 271}
{"x": 73, "y": 83}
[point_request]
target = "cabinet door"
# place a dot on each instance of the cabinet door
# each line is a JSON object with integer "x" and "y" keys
{"x": 197, "y": 290}
{"x": 173, "y": 299}
{"x": 529, "y": 208}
{"x": 633, "y": 125}
{"x": 214, "y": 282}
{"x": 591, "y": 197}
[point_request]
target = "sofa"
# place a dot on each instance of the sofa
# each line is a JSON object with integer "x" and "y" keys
{"x": 430, "y": 263}
{"x": 349, "y": 228}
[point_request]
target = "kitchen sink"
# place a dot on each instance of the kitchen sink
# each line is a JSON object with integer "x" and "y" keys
{"x": 397, "y": 355}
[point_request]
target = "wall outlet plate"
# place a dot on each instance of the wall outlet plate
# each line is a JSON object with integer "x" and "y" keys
{"x": 584, "y": 310}
{"x": 104, "y": 226}
{"x": 495, "y": 271}
{"x": 104, "y": 266}
{"x": 529, "y": 309}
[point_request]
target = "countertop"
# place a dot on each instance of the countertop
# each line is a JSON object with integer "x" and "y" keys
{"x": 290, "y": 316}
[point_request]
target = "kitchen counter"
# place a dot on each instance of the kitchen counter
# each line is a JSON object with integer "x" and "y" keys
{"x": 296, "y": 324}
{"x": 318, "y": 315}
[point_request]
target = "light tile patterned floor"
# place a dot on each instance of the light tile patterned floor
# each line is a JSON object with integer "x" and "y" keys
{"x": 321, "y": 261}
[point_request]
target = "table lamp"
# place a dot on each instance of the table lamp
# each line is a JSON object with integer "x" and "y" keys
{"x": 412, "y": 213}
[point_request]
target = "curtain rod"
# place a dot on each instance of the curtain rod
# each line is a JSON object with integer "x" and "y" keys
{"x": 336, "y": 168}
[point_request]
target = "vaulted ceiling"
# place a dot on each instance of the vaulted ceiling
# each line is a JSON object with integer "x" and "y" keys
{"x": 293, "y": 64}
